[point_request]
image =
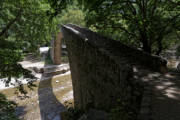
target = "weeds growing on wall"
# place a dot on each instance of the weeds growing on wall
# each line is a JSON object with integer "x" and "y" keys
{"x": 123, "y": 111}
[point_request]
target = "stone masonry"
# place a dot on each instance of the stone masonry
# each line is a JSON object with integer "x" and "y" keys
{"x": 102, "y": 68}
{"x": 56, "y": 49}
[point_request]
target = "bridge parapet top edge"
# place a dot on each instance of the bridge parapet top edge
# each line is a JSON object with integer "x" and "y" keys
{"x": 77, "y": 31}
{"x": 110, "y": 47}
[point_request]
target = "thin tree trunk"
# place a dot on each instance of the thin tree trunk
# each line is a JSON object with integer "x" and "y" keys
{"x": 10, "y": 23}
{"x": 146, "y": 47}
{"x": 145, "y": 42}
{"x": 159, "y": 46}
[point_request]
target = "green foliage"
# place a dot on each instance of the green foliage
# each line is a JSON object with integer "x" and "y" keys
{"x": 24, "y": 27}
{"x": 48, "y": 60}
{"x": 57, "y": 6}
{"x": 31, "y": 26}
{"x": 67, "y": 11}
{"x": 7, "y": 109}
{"x": 148, "y": 24}
{"x": 64, "y": 59}
{"x": 123, "y": 111}
{"x": 73, "y": 14}
{"x": 72, "y": 113}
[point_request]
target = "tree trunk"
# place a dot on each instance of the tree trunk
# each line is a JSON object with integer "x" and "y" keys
{"x": 144, "y": 40}
{"x": 146, "y": 45}
{"x": 159, "y": 46}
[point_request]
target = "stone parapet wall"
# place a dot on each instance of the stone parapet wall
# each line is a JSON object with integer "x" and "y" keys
{"x": 132, "y": 55}
{"x": 99, "y": 77}
{"x": 102, "y": 68}
{"x": 55, "y": 51}
{"x": 145, "y": 109}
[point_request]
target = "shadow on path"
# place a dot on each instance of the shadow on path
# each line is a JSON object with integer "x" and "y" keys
{"x": 49, "y": 105}
{"x": 165, "y": 102}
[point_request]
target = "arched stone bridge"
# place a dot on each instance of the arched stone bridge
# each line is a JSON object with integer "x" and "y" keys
{"x": 102, "y": 69}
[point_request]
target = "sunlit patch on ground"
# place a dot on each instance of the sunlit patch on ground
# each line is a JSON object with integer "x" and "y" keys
{"x": 48, "y": 93}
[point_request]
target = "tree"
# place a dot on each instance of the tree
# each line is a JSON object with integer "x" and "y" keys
{"x": 72, "y": 14}
{"x": 147, "y": 24}
{"x": 24, "y": 25}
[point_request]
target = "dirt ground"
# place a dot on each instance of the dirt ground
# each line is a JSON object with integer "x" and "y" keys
{"x": 46, "y": 101}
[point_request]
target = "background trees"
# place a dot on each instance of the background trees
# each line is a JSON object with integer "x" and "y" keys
{"x": 142, "y": 23}
{"x": 27, "y": 24}
{"x": 148, "y": 24}
{"x": 72, "y": 14}
{"x": 24, "y": 25}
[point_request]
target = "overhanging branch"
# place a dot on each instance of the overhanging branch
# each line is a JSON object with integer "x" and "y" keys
{"x": 11, "y": 23}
